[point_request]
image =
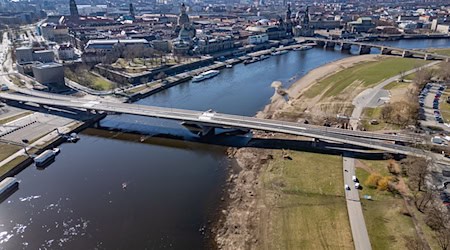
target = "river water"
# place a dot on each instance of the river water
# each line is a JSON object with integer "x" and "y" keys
{"x": 173, "y": 187}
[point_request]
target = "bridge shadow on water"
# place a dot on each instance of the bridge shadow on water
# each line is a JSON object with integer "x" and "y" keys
{"x": 226, "y": 140}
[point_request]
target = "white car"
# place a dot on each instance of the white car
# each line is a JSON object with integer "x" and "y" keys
{"x": 347, "y": 187}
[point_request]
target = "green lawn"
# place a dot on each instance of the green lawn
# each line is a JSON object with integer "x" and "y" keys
{"x": 386, "y": 224}
{"x": 445, "y": 51}
{"x": 375, "y": 113}
{"x": 89, "y": 79}
{"x": 396, "y": 85}
{"x": 6, "y": 150}
{"x": 364, "y": 74}
{"x": 12, "y": 164}
{"x": 312, "y": 212}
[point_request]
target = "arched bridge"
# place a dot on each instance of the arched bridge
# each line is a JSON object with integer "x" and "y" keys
{"x": 365, "y": 48}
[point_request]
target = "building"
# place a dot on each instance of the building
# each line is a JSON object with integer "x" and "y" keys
{"x": 303, "y": 26}
{"x": 24, "y": 55}
{"x": 44, "y": 56}
{"x": 443, "y": 28}
{"x": 108, "y": 50}
{"x": 108, "y": 45}
{"x": 28, "y": 54}
{"x": 258, "y": 39}
{"x": 208, "y": 45}
{"x": 49, "y": 74}
{"x": 362, "y": 24}
{"x": 183, "y": 44}
{"x": 66, "y": 52}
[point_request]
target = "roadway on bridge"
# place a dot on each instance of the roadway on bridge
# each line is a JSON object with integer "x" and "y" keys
{"x": 225, "y": 120}
{"x": 371, "y": 135}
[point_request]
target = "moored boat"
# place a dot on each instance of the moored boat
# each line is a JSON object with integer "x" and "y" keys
{"x": 205, "y": 75}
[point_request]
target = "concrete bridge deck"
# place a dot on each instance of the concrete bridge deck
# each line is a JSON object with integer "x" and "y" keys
{"x": 358, "y": 138}
{"x": 384, "y": 49}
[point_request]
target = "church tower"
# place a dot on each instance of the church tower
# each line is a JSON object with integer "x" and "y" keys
{"x": 73, "y": 9}
{"x": 132, "y": 12}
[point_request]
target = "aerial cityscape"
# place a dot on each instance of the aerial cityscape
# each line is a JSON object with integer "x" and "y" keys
{"x": 211, "y": 124}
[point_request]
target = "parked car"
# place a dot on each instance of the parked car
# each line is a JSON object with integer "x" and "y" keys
{"x": 4, "y": 87}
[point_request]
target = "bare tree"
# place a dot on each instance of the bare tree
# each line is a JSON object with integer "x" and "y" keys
{"x": 439, "y": 220}
{"x": 417, "y": 170}
{"x": 422, "y": 76}
{"x": 422, "y": 199}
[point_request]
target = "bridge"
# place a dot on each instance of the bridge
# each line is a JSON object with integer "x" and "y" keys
{"x": 365, "y": 48}
{"x": 208, "y": 121}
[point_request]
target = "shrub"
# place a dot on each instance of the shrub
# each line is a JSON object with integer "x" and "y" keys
{"x": 372, "y": 180}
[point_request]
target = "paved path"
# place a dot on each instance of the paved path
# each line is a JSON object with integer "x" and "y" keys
{"x": 370, "y": 96}
{"x": 355, "y": 214}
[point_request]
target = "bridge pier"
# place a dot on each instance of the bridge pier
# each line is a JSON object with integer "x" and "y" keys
{"x": 330, "y": 45}
{"x": 320, "y": 43}
{"x": 364, "y": 49}
{"x": 407, "y": 54}
{"x": 385, "y": 51}
{"x": 427, "y": 57}
{"x": 345, "y": 46}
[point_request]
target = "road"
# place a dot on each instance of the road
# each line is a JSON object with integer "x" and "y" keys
{"x": 355, "y": 213}
{"x": 357, "y": 138}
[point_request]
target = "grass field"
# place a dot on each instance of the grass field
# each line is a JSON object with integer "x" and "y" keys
{"x": 88, "y": 79}
{"x": 445, "y": 51}
{"x": 364, "y": 74}
{"x": 396, "y": 85}
{"x": 12, "y": 164}
{"x": 312, "y": 212}
{"x": 7, "y": 150}
{"x": 375, "y": 113}
{"x": 15, "y": 117}
{"x": 386, "y": 224}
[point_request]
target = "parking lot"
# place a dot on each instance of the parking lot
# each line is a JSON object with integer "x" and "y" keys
{"x": 429, "y": 101}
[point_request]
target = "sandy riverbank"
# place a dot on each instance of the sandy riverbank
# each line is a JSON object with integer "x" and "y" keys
{"x": 245, "y": 223}
{"x": 295, "y": 91}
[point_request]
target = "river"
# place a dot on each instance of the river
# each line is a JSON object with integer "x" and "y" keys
{"x": 173, "y": 187}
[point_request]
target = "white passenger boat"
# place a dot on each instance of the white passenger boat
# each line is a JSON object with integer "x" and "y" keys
{"x": 7, "y": 185}
{"x": 307, "y": 47}
{"x": 279, "y": 52}
{"x": 45, "y": 158}
{"x": 205, "y": 75}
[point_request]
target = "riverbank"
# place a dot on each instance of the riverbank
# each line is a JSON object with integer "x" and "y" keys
{"x": 19, "y": 160}
{"x": 282, "y": 198}
{"x": 257, "y": 188}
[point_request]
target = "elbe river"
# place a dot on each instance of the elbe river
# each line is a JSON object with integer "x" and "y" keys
{"x": 173, "y": 187}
